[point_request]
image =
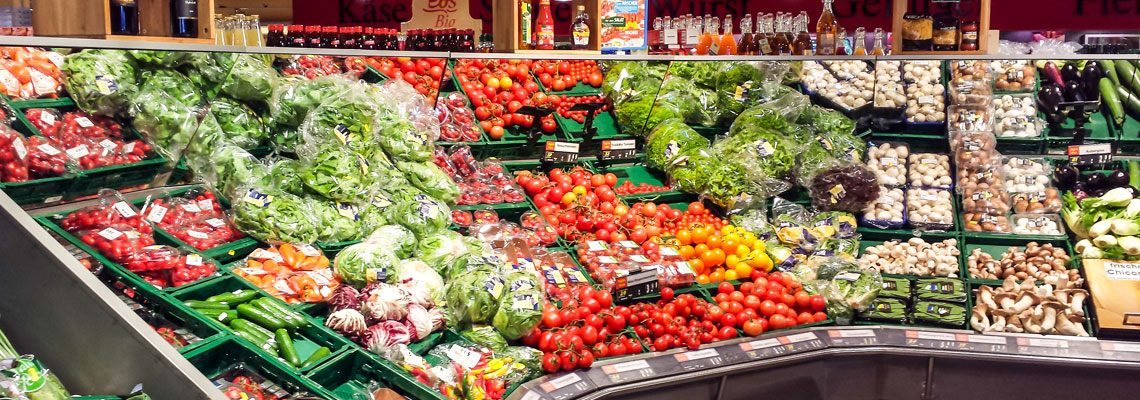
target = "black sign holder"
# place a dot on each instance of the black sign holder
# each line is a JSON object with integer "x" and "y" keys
{"x": 534, "y": 131}
{"x": 1079, "y": 111}
{"x": 589, "y": 131}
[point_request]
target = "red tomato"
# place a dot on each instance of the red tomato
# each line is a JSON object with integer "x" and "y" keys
{"x": 818, "y": 304}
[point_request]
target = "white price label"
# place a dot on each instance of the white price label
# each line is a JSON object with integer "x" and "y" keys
{"x": 207, "y": 205}
{"x": 695, "y": 355}
{"x": 308, "y": 250}
{"x": 625, "y": 366}
{"x": 464, "y": 356}
{"x": 21, "y": 151}
{"x": 156, "y": 213}
{"x": 194, "y": 260}
{"x": 263, "y": 254}
{"x": 124, "y": 209}
{"x": 84, "y": 122}
{"x": 129, "y": 147}
{"x": 197, "y": 235}
{"x": 110, "y": 233}
{"x": 560, "y": 382}
{"x": 47, "y": 117}
{"x": 596, "y": 245}
{"x": 191, "y": 207}
{"x": 78, "y": 152}
{"x": 108, "y": 145}
{"x": 216, "y": 222}
{"x": 48, "y": 149}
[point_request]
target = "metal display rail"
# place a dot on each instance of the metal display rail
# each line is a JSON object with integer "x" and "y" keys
{"x": 54, "y": 308}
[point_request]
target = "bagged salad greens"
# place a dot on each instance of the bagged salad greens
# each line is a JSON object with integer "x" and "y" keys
{"x": 273, "y": 215}
{"x": 335, "y": 173}
{"x": 520, "y": 307}
{"x": 347, "y": 120}
{"x": 397, "y": 238}
{"x": 101, "y": 81}
{"x": 744, "y": 84}
{"x": 422, "y": 215}
{"x": 228, "y": 168}
{"x": 249, "y": 79}
{"x": 473, "y": 296}
{"x": 173, "y": 82}
{"x": 365, "y": 262}
{"x": 166, "y": 122}
{"x": 294, "y": 97}
{"x": 443, "y": 248}
{"x": 337, "y": 222}
{"x": 486, "y": 336}
{"x": 668, "y": 140}
{"x": 160, "y": 58}
{"x": 241, "y": 125}
{"x": 402, "y": 141}
{"x": 431, "y": 179}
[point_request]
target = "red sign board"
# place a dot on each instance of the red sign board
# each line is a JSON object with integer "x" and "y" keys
{"x": 1006, "y": 15}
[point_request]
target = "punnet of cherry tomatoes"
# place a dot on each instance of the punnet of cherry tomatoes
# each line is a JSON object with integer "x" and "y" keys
{"x": 314, "y": 66}
{"x": 86, "y": 140}
{"x": 498, "y": 89}
{"x": 195, "y": 218}
{"x": 424, "y": 74}
{"x": 564, "y": 75}
{"x": 483, "y": 182}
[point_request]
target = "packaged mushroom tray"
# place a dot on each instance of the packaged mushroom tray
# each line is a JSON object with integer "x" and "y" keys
{"x": 1014, "y": 76}
{"x": 925, "y": 94}
{"x": 888, "y": 211}
{"x": 1043, "y": 262}
{"x": 1038, "y": 224}
{"x": 1050, "y": 309}
{"x": 1015, "y": 116}
{"x": 963, "y": 71}
{"x": 1028, "y": 185}
{"x": 888, "y": 161}
{"x": 889, "y": 91}
{"x": 929, "y": 170}
{"x": 853, "y": 87}
{"x": 913, "y": 257}
{"x": 972, "y": 118}
{"x": 930, "y": 209}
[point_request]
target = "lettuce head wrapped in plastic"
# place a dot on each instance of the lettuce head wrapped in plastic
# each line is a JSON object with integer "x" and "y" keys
{"x": 415, "y": 272}
{"x": 431, "y": 179}
{"x": 101, "y": 81}
{"x": 486, "y": 336}
{"x": 668, "y": 140}
{"x": 372, "y": 213}
{"x": 160, "y": 58}
{"x": 697, "y": 104}
{"x": 173, "y": 82}
{"x": 365, "y": 262}
{"x": 442, "y": 248}
{"x": 744, "y": 84}
{"x": 349, "y": 120}
{"x": 228, "y": 168}
{"x": 519, "y": 312}
{"x": 399, "y": 239}
{"x": 339, "y": 222}
{"x": 166, "y": 122}
{"x": 249, "y": 80}
{"x": 272, "y": 215}
{"x": 402, "y": 141}
{"x": 473, "y": 297}
{"x": 294, "y": 97}
{"x": 335, "y": 173}
{"x": 241, "y": 125}
{"x": 422, "y": 215}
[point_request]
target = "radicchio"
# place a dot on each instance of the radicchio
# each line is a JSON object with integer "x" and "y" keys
{"x": 438, "y": 320}
{"x": 385, "y": 303}
{"x": 418, "y": 293}
{"x": 344, "y": 297}
{"x": 418, "y": 321}
{"x": 347, "y": 322}
{"x": 386, "y": 334}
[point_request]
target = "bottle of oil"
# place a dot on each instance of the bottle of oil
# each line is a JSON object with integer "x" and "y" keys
{"x": 841, "y": 43}
{"x": 859, "y": 48}
{"x": 826, "y": 30}
{"x": 727, "y": 41}
{"x": 878, "y": 50}
{"x": 746, "y": 46}
{"x": 802, "y": 45}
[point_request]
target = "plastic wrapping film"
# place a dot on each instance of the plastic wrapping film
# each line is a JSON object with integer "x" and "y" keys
{"x": 272, "y": 215}
{"x": 101, "y": 81}
{"x": 167, "y": 123}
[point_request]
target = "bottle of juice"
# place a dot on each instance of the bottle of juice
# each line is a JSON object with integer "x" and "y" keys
{"x": 762, "y": 39}
{"x": 746, "y": 46}
{"x": 780, "y": 44}
{"x": 706, "y": 39}
{"x": 841, "y": 44}
{"x": 859, "y": 48}
{"x": 825, "y": 30}
{"x": 727, "y": 41}
{"x": 802, "y": 45}
{"x": 580, "y": 32}
{"x": 879, "y": 49}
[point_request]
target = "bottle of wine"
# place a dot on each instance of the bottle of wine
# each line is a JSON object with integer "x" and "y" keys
{"x": 184, "y": 18}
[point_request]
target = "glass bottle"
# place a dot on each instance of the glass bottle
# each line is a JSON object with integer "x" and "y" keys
{"x": 526, "y": 25}
{"x": 295, "y": 37}
{"x": 368, "y": 39}
{"x": 727, "y": 41}
{"x": 763, "y": 34}
{"x": 219, "y": 30}
{"x": 312, "y": 36}
{"x": 802, "y": 45}
{"x": 275, "y": 35}
{"x": 878, "y": 50}
{"x": 125, "y": 18}
{"x": 780, "y": 44}
{"x": 253, "y": 35}
{"x": 708, "y": 36}
{"x": 580, "y": 32}
{"x": 826, "y": 30}
{"x": 789, "y": 25}
{"x": 859, "y": 48}
{"x": 467, "y": 45}
{"x": 184, "y": 18}
{"x": 544, "y": 27}
{"x": 841, "y": 44}
{"x": 745, "y": 45}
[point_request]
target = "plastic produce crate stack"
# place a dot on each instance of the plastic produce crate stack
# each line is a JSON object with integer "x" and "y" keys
{"x": 44, "y": 190}
{"x": 231, "y": 356}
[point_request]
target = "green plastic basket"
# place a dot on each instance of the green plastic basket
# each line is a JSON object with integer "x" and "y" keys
{"x": 604, "y": 122}
{"x": 217, "y": 359}
{"x": 351, "y": 375}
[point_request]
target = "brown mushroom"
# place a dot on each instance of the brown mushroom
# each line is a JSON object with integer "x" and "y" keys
{"x": 1051, "y": 310}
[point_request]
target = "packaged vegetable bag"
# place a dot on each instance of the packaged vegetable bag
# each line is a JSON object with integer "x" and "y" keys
{"x": 101, "y": 81}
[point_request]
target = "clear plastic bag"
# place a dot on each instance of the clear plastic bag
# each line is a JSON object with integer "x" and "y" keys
{"x": 112, "y": 209}
{"x": 1026, "y": 174}
{"x": 173, "y": 83}
{"x": 164, "y": 121}
{"x": 347, "y": 120}
{"x": 241, "y": 125}
{"x": 116, "y": 242}
{"x": 293, "y": 98}
{"x": 249, "y": 79}
{"x": 970, "y": 93}
{"x": 969, "y": 71}
{"x": 668, "y": 140}
{"x": 335, "y": 173}
{"x": 988, "y": 172}
{"x": 101, "y": 81}
{"x": 849, "y": 188}
{"x": 272, "y": 215}
{"x": 888, "y": 211}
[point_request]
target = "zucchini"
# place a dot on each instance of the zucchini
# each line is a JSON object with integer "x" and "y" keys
{"x": 885, "y": 309}
{"x": 206, "y": 305}
{"x": 251, "y": 328}
{"x": 219, "y": 315}
{"x": 898, "y": 288}
{"x": 939, "y": 313}
{"x": 264, "y": 345}
{"x": 316, "y": 356}
{"x": 941, "y": 289}
{"x": 1110, "y": 71}
{"x": 260, "y": 317}
{"x": 1128, "y": 77}
{"x": 235, "y": 297}
{"x": 285, "y": 348}
{"x": 1131, "y": 101}
{"x": 1108, "y": 93}
{"x": 291, "y": 317}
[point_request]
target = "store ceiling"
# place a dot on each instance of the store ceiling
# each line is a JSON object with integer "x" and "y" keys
{"x": 270, "y": 11}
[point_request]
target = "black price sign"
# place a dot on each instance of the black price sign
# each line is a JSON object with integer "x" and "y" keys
{"x": 1043, "y": 347}
{"x": 1090, "y": 154}
{"x": 696, "y": 360}
{"x": 635, "y": 284}
{"x": 566, "y": 386}
{"x": 618, "y": 149}
{"x": 852, "y": 337}
{"x": 1120, "y": 351}
{"x": 628, "y": 371}
{"x": 564, "y": 152}
{"x": 781, "y": 346}
{"x": 956, "y": 341}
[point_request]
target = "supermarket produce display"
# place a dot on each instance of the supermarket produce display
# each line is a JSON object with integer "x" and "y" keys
{"x": 472, "y": 227}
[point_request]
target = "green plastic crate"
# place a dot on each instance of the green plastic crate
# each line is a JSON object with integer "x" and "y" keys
{"x": 1100, "y": 132}
{"x": 216, "y": 360}
{"x": 150, "y": 303}
{"x": 120, "y": 176}
{"x": 43, "y": 190}
{"x": 995, "y": 245}
{"x": 331, "y": 249}
{"x": 604, "y": 122}
{"x": 40, "y": 103}
{"x": 351, "y": 375}
{"x": 223, "y": 253}
{"x": 918, "y": 142}
{"x": 1128, "y": 136}
{"x": 307, "y": 339}
{"x": 638, "y": 174}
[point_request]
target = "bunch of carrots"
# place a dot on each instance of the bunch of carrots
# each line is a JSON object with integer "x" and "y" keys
{"x": 289, "y": 273}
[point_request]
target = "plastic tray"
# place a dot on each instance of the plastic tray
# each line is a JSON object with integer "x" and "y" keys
{"x": 638, "y": 174}
{"x": 995, "y": 246}
{"x": 306, "y": 339}
{"x": 216, "y": 359}
{"x": 350, "y": 375}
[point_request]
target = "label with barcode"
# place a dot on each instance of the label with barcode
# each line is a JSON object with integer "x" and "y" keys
{"x": 197, "y": 235}
{"x": 263, "y": 254}
{"x": 618, "y": 149}
{"x": 156, "y": 213}
{"x": 21, "y": 151}
{"x": 560, "y": 152}
{"x": 124, "y": 209}
{"x": 78, "y": 152}
{"x": 47, "y": 117}
{"x": 110, "y": 233}
{"x": 308, "y": 250}
{"x": 216, "y": 222}
{"x": 84, "y": 122}
{"x": 194, "y": 260}
{"x": 1090, "y": 154}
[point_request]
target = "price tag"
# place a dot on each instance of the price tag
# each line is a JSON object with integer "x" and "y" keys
{"x": 308, "y": 250}
{"x": 629, "y": 244}
{"x": 694, "y": 360}
{"x": 108, "y": 145}
{"x": 531, "y": 395}
{"x": 47, "y": 117}
{"x": 1090, "y": 154}
{"x": 206, "y": 204}
{"x": 21, "y": 151}
{"x": 670, "y": 36}
{"x": 78, "y": 152}
{"x": 618, "y": 149}
{"x": 156, "y": 213}
{"x": 129, "y": 147}
{"x": 566, "y": 386}
{"x": 464, "y": 356}
{"x": 194, "y": 260}
{"x": 84, "y": 122}
{"x": 627, "y": 371}
{"x": 48, "y": 149}
{"x": 124, "y": 209}
{"x": 1120, "y": 351}
{"x": 635, "y": 284}
{"x": 560, "y": 152}
{"x": 1043, "y": 347}
{"x": 853, "y": 337}
{"x": 191, "y": 207}
{"x": 110, "y": 233}
{"x": 264, "y": 254}
{"x": 596, "y": 245}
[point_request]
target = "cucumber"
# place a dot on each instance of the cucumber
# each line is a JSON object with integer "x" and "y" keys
{"x": 1131, "y": 101}
{"x": 235, "y": 297}
{"x": 260, "y": 317}
{"x": 251, "y": 328}
{"x": 1128, "y": 77}
{"x": 219, "y": 315}
{"x": 1110, "y": 71}
{"x": 1108, "y": 93}
{"x": 285, "y": 348}
{"x": 291, "y": 317}
{"x": 941, "y": 289}
{"x": 939, "y": 313}
{"x": 885, "y": 309}
{"x": 261, "y": 344}
{"x": 264, "y": 304}
{"x": 206, "y": 305}
{"x": 316, "y": 356}
{"x": 898, "y": 288}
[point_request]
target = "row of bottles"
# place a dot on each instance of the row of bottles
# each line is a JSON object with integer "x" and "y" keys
{"x": 238, "y": 30}
{"x": 772, "y": 34}
{"x": 124, "y": 15}
{"x": 536, "y": 29}
{"x": 368, "y": 38}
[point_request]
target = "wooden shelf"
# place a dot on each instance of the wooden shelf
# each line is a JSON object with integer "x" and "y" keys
{"x": 164, "y": 39}
{"x": 939, "y": 53}
{"x": 505, "y": 28}
{"x": 92, "y": 19}
{"x": 565, "y": 52}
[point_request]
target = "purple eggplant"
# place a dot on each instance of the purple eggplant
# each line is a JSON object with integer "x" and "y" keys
{"x": 1090, "y": 80}
{"x": 1048, "y": 98}
{"x": 1070, "y": 73}
{"x": 1073, "y": 91}
{"x": 1053, "y": 73}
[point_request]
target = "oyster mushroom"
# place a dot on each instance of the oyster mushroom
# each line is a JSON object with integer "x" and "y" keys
{"x": 986, "y": 294}
{"x": 1029, "y": 283}
{"x": 1006, "y": 300}
{"x": 979, "y": 319}
{"x": 1024, "y": 300}
{"x": 1050, "y": 308}
{"x": 1037, "y": 316}
{"x": 999, "y": 321}
{"x": 1009, "y": 284}
{"x": 1013, "y": 322}
{"x": 1071, "y": 325}
{"x": 1077, "y": 301}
